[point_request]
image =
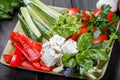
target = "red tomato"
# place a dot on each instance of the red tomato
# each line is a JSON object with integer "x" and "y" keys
{"x": 100, "y": 38}
{"x": 110, "y": 15}
{"x": 85, "y": 16}
{"x": 83, "y": 30}
{"x": 74, "y": 37}
{"x": 16, "y": 58}
{"x": 73, "y": 11}
{"x": 97, "y": 12}
{"x": 7, "y": 58}
{"x": 84, "y": 24}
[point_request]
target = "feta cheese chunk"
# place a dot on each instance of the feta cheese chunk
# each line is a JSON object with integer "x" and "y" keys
{"x": 70, "y": 47}
{"x": 57, "y": 40}
{"x": 49, "y": 57}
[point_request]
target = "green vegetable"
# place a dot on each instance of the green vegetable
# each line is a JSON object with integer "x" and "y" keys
{"x": 8, "y": 7}
{"x": 84, "y": 41}
{"x": 68, "y": 60}
{"x": 66, "y": 25}
{"x": 35, "y": 16}
{"x": 48, "y": 19}
{"x": 29, "y": 21}
{"x": 27, "y": 30}
{"x": 44, "y": 31}
{"x": 51, "y": 12}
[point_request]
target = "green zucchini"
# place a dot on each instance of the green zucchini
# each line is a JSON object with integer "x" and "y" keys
{"x": 27, "y": 30}
{"x": 44, "y": 31}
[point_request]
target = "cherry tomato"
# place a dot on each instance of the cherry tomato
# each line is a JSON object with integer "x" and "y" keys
{"x": 100, "y": 38}
{"x": 83, "y": 30}
{"x": 110, "y": 15}
{"x": 74, "y": 37}
{"x": 84, "y": 24}
{"x": 97, "y": 12}
{"x": 73, "y": 11}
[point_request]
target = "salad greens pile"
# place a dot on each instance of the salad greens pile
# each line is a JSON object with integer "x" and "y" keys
{"x": 66, "y": 25}
{"x": 89, "y": 52}
{"x": 8, "y": 7}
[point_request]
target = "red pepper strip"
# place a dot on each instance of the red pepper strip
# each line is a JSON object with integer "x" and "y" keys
{"x": 47, "y": 69}
{"x": 7, "y": 57}
{"x": 27, "y": 51}
{"x": 27, "y": 65}
{"x": 42, "y": 64}
{"x": 33, "y": 54}
{"x": 16, "y": 58}
{"x": 36, "y": 65}
{"x": 15, "y": 37}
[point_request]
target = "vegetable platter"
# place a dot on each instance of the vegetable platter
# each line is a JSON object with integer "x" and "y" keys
{"x": 67, "y": 42}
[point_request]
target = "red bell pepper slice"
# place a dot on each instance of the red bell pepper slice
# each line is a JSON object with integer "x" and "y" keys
{"x": 42, "y": 64}
{"x": 29, "y": 53}
{"x": 7, "y": 58}
{"x": 36, "y": 65}
{"x": 16, "y": 58}
{"x": 15, "y": 37}
{"x": 27, "y": 65}
{"x": 47, "y": 69}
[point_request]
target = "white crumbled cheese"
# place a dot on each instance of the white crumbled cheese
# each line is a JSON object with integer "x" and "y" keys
{"x": 50, "y": 58}
{"x": 70, "y": 47}
{"x": 55, "y": 48}
{"x": 57, "y": 40}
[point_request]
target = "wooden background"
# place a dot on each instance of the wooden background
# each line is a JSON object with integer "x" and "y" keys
{"x": 6, "y": 27}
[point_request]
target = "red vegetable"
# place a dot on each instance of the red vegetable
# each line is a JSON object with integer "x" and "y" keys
{"x": 109, "y": 16}
{"x": 27, "y": 65}
{"x": 7, "y": 57}
{"x": 84, "y": 24}
{"x": 74, "y": 37}
{"x": 31, "y": 54}
{"x": 100, "y": 38}
{"x": 16, "y": 58}
{"x": 73, "y": 11}
{"x": 42, "y": 64}
{"x": 85, "y": 16}
{"x": 97, "y": 12}
{"x": 47, "y": 69}
{"x": 15, "y": 37}
{"x": 36, "y": 65}
{"x": 83, "y": 30}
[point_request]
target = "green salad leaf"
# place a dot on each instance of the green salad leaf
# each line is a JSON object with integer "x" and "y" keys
{"x": 66, "y": 25}
{"x": 84, "y": 41}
